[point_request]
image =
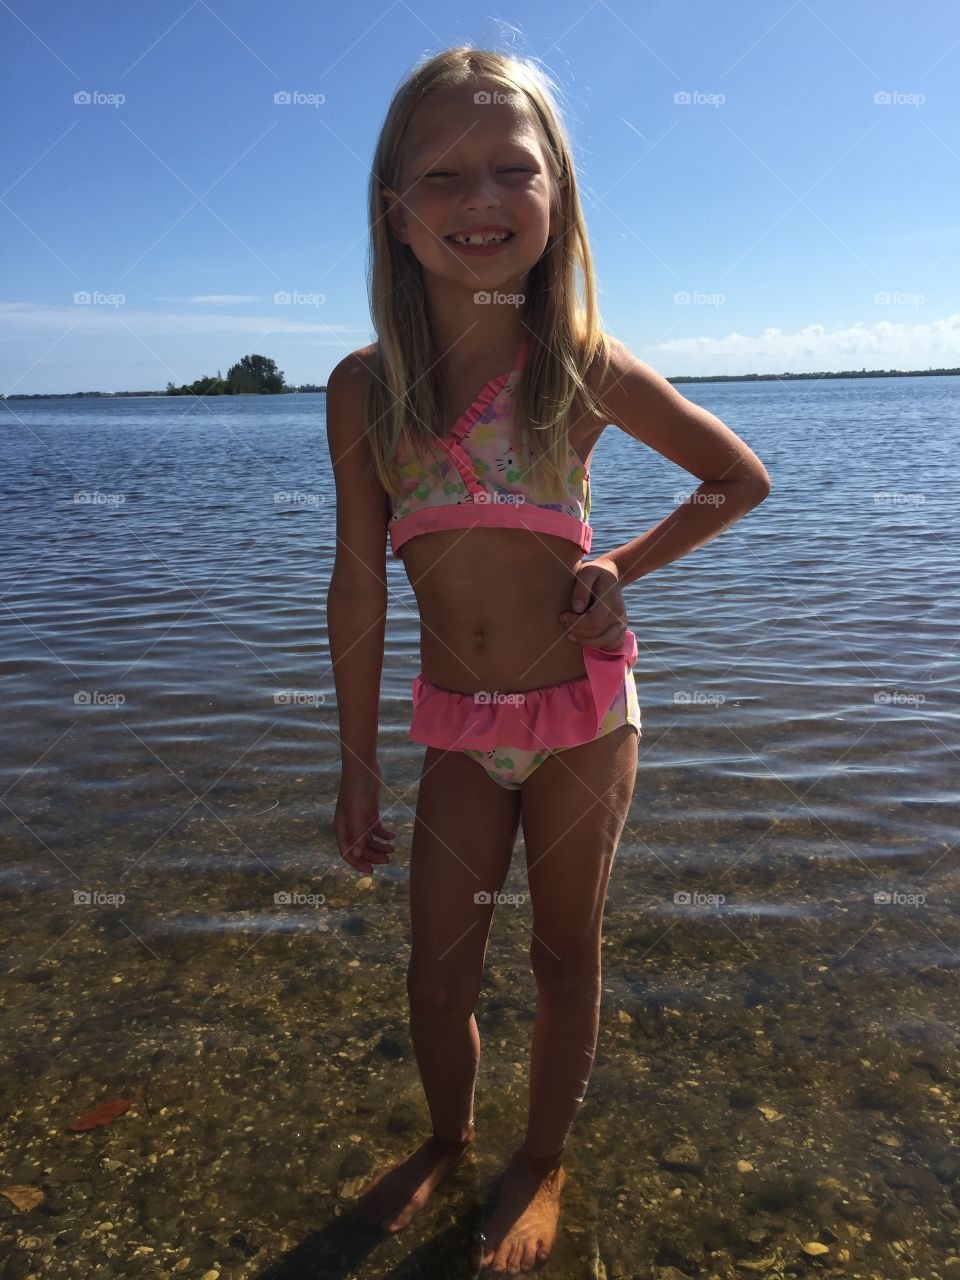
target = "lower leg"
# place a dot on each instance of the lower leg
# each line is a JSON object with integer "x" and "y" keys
{"x": 561, "y": 1060}
{"x": 448, "y": 1055}
{"x": 523, "y": 1227}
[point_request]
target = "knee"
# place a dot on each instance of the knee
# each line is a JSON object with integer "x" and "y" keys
{"x": 447, "y": 996}
{"x": 567, "y": 966}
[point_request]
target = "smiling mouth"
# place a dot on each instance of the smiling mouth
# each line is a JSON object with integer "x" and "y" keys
{"x": 479, "y": 244}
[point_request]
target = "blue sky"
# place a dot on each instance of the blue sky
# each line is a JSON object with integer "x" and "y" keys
{"x": 783, "y": 218}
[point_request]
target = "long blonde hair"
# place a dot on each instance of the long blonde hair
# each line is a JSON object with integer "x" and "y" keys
{"x": 564, "y": 334}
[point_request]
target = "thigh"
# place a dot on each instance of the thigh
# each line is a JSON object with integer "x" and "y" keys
{"x": 463, "y": 838}
{"x": 574, "y": 807}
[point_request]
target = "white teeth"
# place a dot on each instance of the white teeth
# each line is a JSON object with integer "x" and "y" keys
{"x": 481, "y": 239}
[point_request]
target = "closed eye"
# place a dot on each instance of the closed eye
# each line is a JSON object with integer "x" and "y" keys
{"x": 446, "y": 173}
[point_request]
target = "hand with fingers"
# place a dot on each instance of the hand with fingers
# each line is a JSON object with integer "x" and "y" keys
{"x": 362, "y": 839}
{"x": 597, "y": 616}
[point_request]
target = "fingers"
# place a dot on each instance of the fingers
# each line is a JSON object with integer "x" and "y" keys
{"x": 595, "y": 623}
{"x": 373, "y": 848}
{"x": 610, "y": 637}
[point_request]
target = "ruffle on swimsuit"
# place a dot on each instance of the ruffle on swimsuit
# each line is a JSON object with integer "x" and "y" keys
{"x": 556, "y": 715}
{"x": 477, "y": 477}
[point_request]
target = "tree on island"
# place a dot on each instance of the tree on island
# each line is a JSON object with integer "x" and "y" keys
{"x": 251, "y": 376}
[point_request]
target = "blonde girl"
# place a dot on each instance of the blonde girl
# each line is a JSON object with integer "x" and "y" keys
{"x": 461, "y": 443}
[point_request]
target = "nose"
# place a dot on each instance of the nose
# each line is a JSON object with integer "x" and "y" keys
{"x": 480, "y": 191}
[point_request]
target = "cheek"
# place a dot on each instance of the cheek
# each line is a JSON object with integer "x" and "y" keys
{"x": 532, "y": 204}
{"x": 426, "y": 223}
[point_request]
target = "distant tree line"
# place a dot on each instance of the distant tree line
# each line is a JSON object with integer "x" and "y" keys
{"x": 250, "y": 376}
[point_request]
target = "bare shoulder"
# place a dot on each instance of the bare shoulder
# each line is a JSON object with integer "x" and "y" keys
{"x": 353, "y": 370}
{"x": 609, "y": 369}
{"x": 347, "y": 396}
{"x": 643, "y": 404}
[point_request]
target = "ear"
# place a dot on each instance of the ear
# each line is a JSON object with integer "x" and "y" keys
{"x": 396, "y": 220}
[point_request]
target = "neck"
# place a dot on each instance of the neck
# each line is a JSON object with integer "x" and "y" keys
{"x": 470, "y": 334}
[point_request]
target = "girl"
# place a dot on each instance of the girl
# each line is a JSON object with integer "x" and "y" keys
{"x": 464, "y": 436}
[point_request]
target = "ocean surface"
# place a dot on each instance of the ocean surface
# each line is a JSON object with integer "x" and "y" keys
{"x": 777, "y": 1067}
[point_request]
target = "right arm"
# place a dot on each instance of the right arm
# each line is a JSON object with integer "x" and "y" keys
{"x": 356, "y": 615}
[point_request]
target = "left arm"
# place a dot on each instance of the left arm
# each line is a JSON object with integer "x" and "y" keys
{"x": 647, "y": 407}
{"x": 733, "y": 479}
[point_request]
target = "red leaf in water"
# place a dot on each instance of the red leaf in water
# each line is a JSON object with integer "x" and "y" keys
{"x": 102, "y": 1113}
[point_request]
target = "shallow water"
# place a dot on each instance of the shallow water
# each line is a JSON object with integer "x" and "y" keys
{"x": 781, "y": 958}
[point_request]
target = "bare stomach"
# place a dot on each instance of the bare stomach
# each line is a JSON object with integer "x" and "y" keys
{"x": 490, "y": 602}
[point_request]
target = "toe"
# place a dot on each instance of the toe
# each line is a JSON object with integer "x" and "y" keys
{"x": 516, "y": 1254}
{"x": 479, "y": 1253}
{"x": 398, "y": 1221}
{"x": 529, "y": 1255}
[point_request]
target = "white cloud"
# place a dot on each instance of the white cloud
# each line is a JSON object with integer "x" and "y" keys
{"x": 883, "y": 345}
{"x": 22, "y": 319}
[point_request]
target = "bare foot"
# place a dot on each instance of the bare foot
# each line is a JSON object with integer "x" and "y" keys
{"x": 392, "y": 1198}
{"x": 523, "y": 1226}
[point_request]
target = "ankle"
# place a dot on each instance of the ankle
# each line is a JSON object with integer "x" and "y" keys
{"x": 467, "y": 1136}
{"x": 539, "y": 1164}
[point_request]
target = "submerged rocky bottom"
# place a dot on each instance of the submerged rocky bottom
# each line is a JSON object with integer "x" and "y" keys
{"x": 770, "y": 1098}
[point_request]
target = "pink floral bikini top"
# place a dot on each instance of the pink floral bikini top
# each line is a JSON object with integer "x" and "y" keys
{"x": 476, "y": 477}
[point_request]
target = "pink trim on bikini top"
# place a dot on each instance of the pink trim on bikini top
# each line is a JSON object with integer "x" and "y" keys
{"x": 485, "y": 507}
{"x": 557, "y": 715}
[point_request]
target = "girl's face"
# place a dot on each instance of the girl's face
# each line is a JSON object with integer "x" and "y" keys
{"x": 471, "y": 159}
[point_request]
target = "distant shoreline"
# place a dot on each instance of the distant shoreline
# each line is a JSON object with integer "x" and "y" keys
{"x": 713, "y": 377}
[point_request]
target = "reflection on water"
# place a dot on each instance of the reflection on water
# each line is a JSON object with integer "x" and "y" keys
{"x": 777, "y": 1063}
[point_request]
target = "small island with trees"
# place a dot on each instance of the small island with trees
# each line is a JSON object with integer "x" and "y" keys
{"x": 250, "y": 376}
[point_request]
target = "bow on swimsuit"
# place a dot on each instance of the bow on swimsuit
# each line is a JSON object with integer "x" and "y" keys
{"x": 476, "y": 480}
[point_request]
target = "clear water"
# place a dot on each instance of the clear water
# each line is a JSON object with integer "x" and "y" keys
{"x": 170, "y": 736}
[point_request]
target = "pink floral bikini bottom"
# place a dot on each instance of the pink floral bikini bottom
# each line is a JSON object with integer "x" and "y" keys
{"x": 511, "y": 734}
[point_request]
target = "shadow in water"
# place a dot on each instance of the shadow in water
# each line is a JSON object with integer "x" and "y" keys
{"x": 347, "y": 1245}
